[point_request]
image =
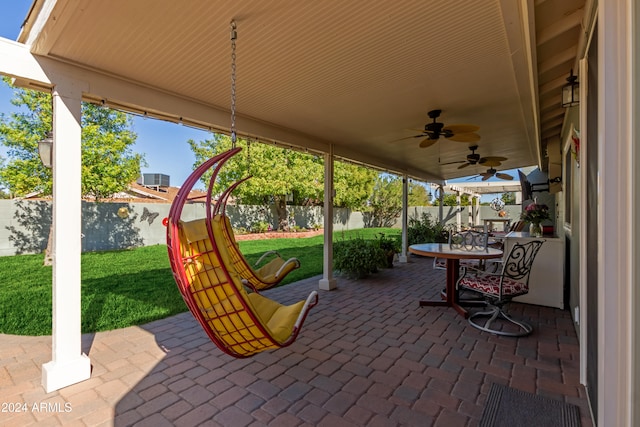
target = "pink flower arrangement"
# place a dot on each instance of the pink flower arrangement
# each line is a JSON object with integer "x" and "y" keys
{"x": 535, "y": 213}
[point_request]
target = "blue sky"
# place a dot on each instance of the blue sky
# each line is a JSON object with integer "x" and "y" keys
{"x": 163, "y": 144}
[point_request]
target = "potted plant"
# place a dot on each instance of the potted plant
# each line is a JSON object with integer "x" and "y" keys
{"x": 426, "y": 230}
{"x": 390, "y": 246}
{"x": 357, "y": 257}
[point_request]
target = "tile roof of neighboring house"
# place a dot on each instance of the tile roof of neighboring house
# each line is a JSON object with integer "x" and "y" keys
{"x": 138, "y": 193}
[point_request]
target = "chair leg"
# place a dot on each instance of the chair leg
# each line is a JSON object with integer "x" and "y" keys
{"x": 494, "y": 313}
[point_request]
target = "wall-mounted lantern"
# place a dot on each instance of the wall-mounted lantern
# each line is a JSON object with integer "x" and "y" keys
{"x": 570, "y": 91}
{"x": 45, "y": 150}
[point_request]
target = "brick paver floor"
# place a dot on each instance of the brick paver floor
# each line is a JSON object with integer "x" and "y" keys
{"x": 367, "y": 355}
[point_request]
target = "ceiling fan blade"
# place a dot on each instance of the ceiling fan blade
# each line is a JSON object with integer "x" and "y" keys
{"x": 428, "y": 142}
{"x": 489, "y": 159}
{"x": 490, "y": 162}
{"x": 461, "y": 128}
{"x": 405, "y": 138}
{"x": 453, "y": 163}
{"x": 465, "y": 137}
{"x": 464, "y": 166}
{"x": 486, "y": 176}
{"x": 504, "y": 176}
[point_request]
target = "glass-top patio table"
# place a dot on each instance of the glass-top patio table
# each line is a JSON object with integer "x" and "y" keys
{"x": 453, "y": 257}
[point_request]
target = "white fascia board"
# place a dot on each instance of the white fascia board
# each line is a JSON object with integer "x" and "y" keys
{"x": 17, "y": 62}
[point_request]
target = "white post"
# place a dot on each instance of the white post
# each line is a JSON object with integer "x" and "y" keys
{"x": 68, "y": 365}
{"x": 458, "y": 213}
{"x": 618, "y": 134}
{"x": 405, "y": 212}
{"x": 440, "y": 205}
{"x": 327, "y": 282}
{"x": 476, "y": 214}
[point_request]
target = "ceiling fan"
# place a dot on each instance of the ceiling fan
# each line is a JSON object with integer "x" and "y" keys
{"x": 434, "y": 130}
{"x": 474, "y": 159}
{"x": 492, "y": 172}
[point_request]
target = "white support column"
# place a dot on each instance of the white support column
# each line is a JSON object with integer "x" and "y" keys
{"x": 458, "y": 213}
{"x": 327, "y": 282}
{"x": 441, "y": 204}
{"x": 476, "y": 214}
{"x": 405, "y": 212}
{"x": 618, "y": 201}
{"x": 68, "y": 365}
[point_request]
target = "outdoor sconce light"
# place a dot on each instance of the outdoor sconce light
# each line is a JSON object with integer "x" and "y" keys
{"x": 45, "y": 150}
{"x": 570, "y": 92}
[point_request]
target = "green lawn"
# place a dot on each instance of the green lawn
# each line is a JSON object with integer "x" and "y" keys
{"x": 130, "y": 287}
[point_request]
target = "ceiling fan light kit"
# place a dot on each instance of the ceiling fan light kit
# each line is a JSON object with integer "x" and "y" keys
{"x": 475, "y": 159}
{"x": 434, "y": 130}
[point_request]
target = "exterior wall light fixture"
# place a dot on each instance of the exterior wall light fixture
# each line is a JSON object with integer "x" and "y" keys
{"x": 570, "y": 92}
{"x": 45, "y": 150}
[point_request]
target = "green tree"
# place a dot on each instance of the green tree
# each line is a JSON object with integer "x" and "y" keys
{"x": 108, "y": 162}
{"x": 418, "y": 195}
{"x": 386, "y": 201}
{"x": 278, "y": 173}
{"x": 508, "y": 198}
{"x": 353, "y": 185}
{"x": 452, "y": 200}
{"x": 385, "y": 204}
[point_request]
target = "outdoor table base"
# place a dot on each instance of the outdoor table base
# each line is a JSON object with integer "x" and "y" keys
{"x": 452, "y": 300}
{"x": 452, "y": 256}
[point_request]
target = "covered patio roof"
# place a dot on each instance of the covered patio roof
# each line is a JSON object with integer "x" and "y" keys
{"x": 327, "y": 75}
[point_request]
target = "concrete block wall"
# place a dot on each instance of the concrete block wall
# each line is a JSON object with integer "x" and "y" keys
{"x": 25, "y": 224}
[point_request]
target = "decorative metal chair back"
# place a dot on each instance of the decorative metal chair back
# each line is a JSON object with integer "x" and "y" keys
{"x": 517, "y": 264}
{"x": 469, "y": 240}
{"x": 500, "y": 288}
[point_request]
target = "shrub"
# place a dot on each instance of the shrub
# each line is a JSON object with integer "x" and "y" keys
{"x": 389, "y": 244}
{"x": 240, "y": 230}
{"x": 424, "y": 230}
{"x": 357, "y": 257}
{"x": 390, "y": 247}
{"x": 259, "y": 227}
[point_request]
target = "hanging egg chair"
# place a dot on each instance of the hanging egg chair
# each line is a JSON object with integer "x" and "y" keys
{"x": 239, "y": 322}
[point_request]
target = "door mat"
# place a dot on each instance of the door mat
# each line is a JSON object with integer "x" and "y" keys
{"x": 509, "y": 407}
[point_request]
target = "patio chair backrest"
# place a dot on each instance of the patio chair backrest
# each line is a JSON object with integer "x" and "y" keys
{"x": 469, "y": 240}
{"x": 517, "y": 264}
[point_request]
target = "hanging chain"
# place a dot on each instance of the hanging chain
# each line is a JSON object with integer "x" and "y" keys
{"x": 234, "y": 36}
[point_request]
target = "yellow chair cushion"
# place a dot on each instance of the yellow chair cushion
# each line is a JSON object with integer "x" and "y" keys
{"x": 279, "y": 319}
{"x": 268, "y": 271}
{"x": 195, "y": 230}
